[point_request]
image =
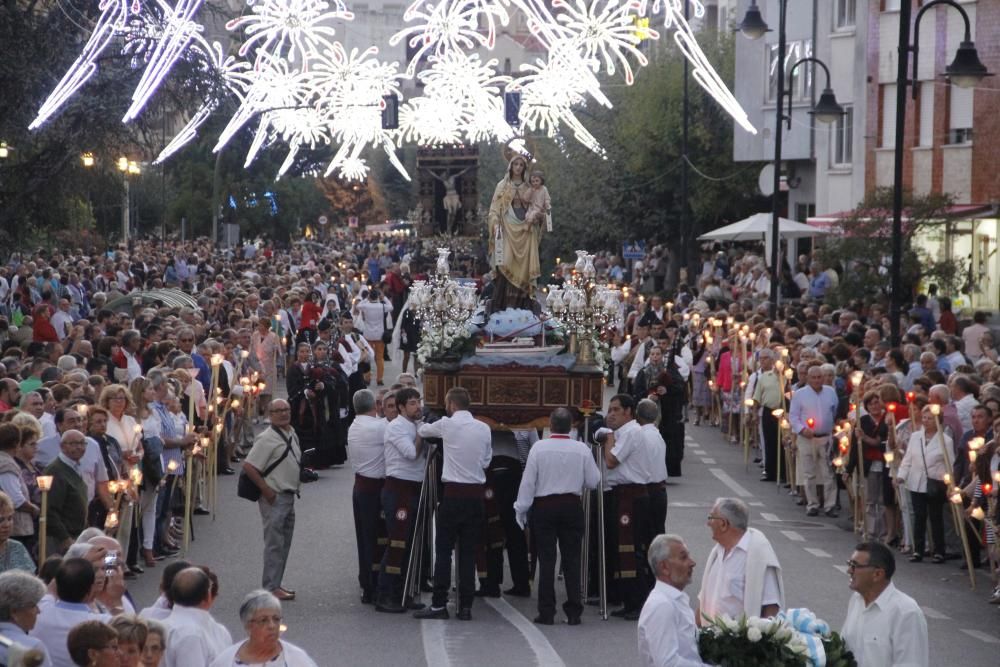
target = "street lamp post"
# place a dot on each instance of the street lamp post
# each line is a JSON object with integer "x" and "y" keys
{"x": 127, "y": 167}
{"x": 826, "y": 110}
{"x": 965, "y": 71}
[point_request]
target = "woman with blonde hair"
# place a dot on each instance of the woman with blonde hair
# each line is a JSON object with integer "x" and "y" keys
{"x": 116, "y": 399}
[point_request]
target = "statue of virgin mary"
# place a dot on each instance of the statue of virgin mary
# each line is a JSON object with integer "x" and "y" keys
{"x": 513, "y": 246}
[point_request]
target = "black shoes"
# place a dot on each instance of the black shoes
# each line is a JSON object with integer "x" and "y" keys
{"x": 488, "y": 593}
{"x": 518, "y": 592}
{"x": 431, "y": 612}
{"x": 812, "y": 511}
{"x": 367, "y": 597}
{"x": 832, "y": 513}
{"x": 200, "y": 511}
{"x": 464, "y": 614}
{"x": 627, "y": 614}
{"x": 414, "y": 605}
{"x": 544, "y": 620}
{"x": 387, "y": 607}
{"x": 573, "y": 620}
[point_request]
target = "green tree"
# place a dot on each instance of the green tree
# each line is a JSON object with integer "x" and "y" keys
{"x": 861, "y": 244}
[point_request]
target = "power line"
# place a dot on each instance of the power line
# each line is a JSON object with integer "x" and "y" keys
{"x": 714, "y": 178}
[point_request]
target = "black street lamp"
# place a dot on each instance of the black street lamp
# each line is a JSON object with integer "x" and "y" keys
{"x": 965, "y": 71}
{"x": 826, "y": 110}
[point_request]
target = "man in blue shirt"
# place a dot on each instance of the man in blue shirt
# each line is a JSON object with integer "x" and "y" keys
{"x": 811, "y": 414}
{"x": 819, "y": 283}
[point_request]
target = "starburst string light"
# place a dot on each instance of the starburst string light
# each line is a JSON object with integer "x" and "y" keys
{"x": 296, "y": 85}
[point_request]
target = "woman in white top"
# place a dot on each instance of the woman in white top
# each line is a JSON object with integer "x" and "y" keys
{"x": 260, "y": 614}
{"x": 922, "y": 473}
{"x": 116, "y": 399}
{"x": 143, "y": 394}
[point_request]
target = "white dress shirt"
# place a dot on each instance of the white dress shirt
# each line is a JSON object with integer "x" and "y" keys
{"x": 366, "y": 446}
{"x": 48, "y": 422}
{"x": 890, "y": 632}
{"x": 820, "y": 406}
{"x": 668, "y": 636}
{"x": 628, "y": 447}
{"x": 555, "y": 465}
{"x": 92, "y": 468}
{"x": 290, "y": 656}
{"x": 62, "y": 322}
{"x": 157, "y": 611}
{"x": 653, "y": 451}
{"x": 53, "y": 626}
{"x": 964, "y": 407}
{"x": 401, "y": 458}
{"x": 725, "y": 586}
{"x": 467, "y": 450}
{"x": 193, "y": 637}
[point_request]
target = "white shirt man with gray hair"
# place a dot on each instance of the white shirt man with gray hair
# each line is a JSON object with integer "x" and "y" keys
{"x": 742, "y": 573}
{"x": 668, "y": 636}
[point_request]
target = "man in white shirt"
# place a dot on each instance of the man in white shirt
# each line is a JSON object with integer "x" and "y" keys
{"x": 193, "y": 636}
{"x": 556, "y": 472}
{"x": 884, "y": 626}
{"x": 972, "y": 336}
{"x": 654, "y": 451}
{"x": 629, "y": 503}
{"x": 668, "y": 636}
{"x": 75, "y": 591}
{"x": 62, "y": 319}
{"x": 742, "y": 574}
{"x": 405, "y": 468}
{"x": 366, "y": 451}
{"x": 466, "y": 451}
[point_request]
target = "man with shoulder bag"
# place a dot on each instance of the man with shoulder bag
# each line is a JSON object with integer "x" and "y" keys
{"x": 273, "y": 467}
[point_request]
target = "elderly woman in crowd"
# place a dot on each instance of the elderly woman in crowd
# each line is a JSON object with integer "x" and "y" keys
{"x": 93, "y": 644}
{"x": 20, "y": 593}
{"x": 12, "y": 483}
{"x": 13, "y": 555}
{"x": 132, "y": 636}
{"x": 922, "y": 473}
{"x": 260, "y": 614}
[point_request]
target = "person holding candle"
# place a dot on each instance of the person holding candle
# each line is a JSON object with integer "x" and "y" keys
{"x": 812, "y": 416}
{"x": 874, "y": 434}
{"x": 922, "y": 472}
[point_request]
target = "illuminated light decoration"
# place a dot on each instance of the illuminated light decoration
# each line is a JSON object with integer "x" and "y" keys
{"x": 703, "y": 72}
{"x": 292, "y": 28}
{"x": 607, "y": 32}
{"x": 451, "y": 25}
{"x": 178, "y": 31}
{"x": 114, "y": 15}
{"x": 462, "y": 101}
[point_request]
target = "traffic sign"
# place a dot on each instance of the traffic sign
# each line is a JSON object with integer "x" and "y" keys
{"x": 635, "y": 250}
{"x": 323, "y": 220}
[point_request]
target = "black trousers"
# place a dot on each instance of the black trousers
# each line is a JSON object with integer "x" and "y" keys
{"x": 458, "y": 520}
{"x": 558, "y": 522}
{"x": 367, "y": 517}
{"x": 769, "y": 426}
{"x": 610, "y": 548}
{"x": 657, "y": 513}
{"x": 506, "y": 474}
{"x": 924, "y": 509}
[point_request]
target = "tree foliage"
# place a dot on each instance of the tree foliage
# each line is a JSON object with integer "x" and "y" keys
{"x": 862, "y": 245}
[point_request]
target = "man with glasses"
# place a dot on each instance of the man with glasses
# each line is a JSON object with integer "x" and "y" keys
{"x": 884, "y": 626}
{"x": 742, "y": 573}
{"x": 276, "y": 452}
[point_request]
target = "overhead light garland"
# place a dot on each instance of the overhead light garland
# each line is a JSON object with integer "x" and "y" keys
{"x": 298, "y": 86}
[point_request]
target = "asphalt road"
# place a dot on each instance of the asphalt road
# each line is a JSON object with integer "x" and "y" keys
{"x": 329, "y": 621}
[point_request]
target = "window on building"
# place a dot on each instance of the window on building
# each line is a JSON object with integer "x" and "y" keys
{"x": 960, "y": 115}
{"x": 805, "y": 211}
{"x": 801, "y": 83}
{"x": 845, "y": 13}
{"x": 887, "y": 139}
{"x": 927, "y": 113}
{"x": 842, "y": 136}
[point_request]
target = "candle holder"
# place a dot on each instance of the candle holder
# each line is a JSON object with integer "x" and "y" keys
{"x": 584, "y": 308}
{"x": 443, "y": 306}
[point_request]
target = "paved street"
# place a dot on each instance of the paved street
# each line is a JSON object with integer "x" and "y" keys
{"x": 329, "y": 621}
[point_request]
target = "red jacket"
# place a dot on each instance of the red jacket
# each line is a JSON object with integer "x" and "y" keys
{"x": 310, "y": 315}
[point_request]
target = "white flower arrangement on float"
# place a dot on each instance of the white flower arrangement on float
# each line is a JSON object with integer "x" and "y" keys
{"x": 445, "y": 341}
{"x": 795, "y": 638}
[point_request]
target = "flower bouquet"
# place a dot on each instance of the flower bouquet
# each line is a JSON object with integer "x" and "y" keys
{"x": 792, "y": 639}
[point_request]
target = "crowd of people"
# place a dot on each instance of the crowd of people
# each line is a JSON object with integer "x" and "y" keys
{"x": 130, "y": 381}
{"x": 123, "y": 406}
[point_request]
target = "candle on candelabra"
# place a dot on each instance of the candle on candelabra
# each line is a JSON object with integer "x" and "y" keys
{"x": 44, "y": 485}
